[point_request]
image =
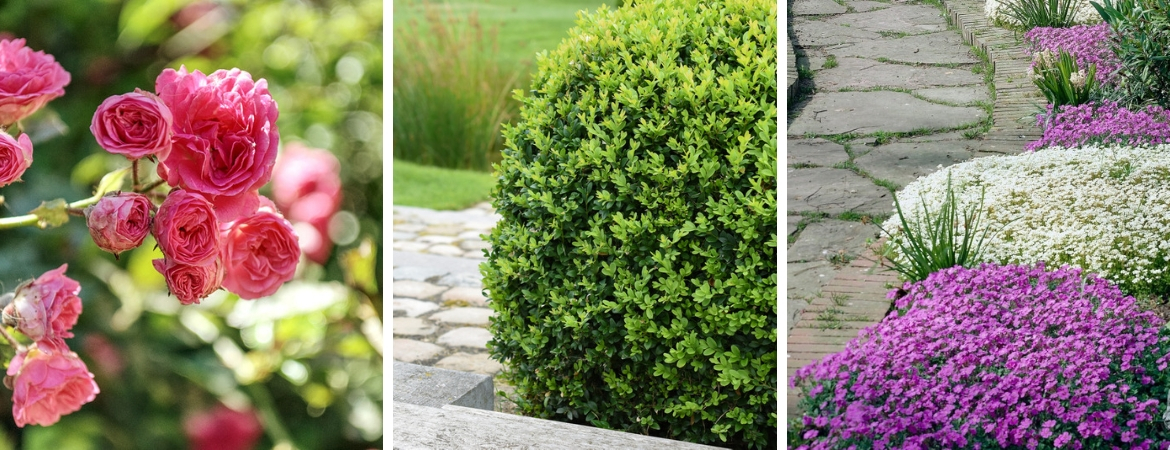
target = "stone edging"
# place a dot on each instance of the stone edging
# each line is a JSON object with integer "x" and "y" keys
{"x": 1017, "y": 100}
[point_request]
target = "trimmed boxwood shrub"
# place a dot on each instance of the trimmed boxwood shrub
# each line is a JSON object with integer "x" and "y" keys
{"x": 633, "y": 272}
{"x": 995, "y": 357}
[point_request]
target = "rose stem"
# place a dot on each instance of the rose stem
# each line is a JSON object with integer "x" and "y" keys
{"x": 75, "y": 212}
{"x": 11, "y": 341}
{"x": 268, "y": 415}
{"x": 149, "y": 187}
{"x": 134, "y": 172}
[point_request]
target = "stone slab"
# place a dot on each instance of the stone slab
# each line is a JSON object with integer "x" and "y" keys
{"x": 818, "y": 152}
{"x": 446, "y": 250}
{"x": 410, "y": 246}
{"x": 448, "y": 263}
{"x": 866, "y": 5}
{"x": 436, "y": 387}
{"x": 815, "y": 8}
{"x": 793, "y": 221}
{"x": 470, "y": 337}
{"x": 935, "y": 48}
{"x": 416, "y": 289}
{"x": 468, "y": 296}
{"x": 422, "y": 428}
{"x": 835, "y": 191}
{"x": 861, "y": 73}
{"x": 413, "y": 308}
{"x": 428, "y": 216}
{"x": 828, "y": 237}
{"x": 963, "y": 95}
{"x": 418, "y": 273}
{"x": 410, "y": 350}
{"x": 463, "y": 316}
{"x": 870, "y": 112}
{"x": 413, "y": 326}
{"x": 904, "y": 162}
{"x": 471, "y": 279}
{"x": 805, "y": 280}
{"x": 816, "y": 33}
{"x": 468, "y": 362}
{"x": 896, "y": 18}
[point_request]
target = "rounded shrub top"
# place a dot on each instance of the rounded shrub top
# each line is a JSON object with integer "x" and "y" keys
{"x": 995, "y": 356}
{"x": 633, "y": 273}
{"x": 1105, "y": 209}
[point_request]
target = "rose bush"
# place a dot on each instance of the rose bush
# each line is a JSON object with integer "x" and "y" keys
{"x": 135, "y": 125}
{"x": 28, "y": 80}
{"x": 119, "y": 222}
{"x": 16, "y": 155}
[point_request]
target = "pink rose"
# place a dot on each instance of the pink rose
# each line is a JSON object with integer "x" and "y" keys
{"x": 187, "y": 229}
{"x": 48, "y": 382}
{"x": 134, "y": 125}
{"x": 259, "y": 254}
{"x": 300, "y": 172}
{"x": 46, "y": 308}
{"x": 223, "y": 428}
{"x": 191, "y": 283}
{"x": 28, "y": 80}
{"x": 119, "y": 222}
{"x": 15, "y": 156}
{"x": 225, "y": 139}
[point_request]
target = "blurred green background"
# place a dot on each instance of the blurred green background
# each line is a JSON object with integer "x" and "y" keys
{"x": 308, "y": 359}
{"x": 456, "y": 65}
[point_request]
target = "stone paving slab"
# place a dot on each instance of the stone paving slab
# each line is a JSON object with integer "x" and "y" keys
{"x": 826, "y": 238}
{"x": 866, "y": 5}
{"x": 863, "y": 73}
{"x": 896, "y": 18}
{"x": 904, "y": 162}
{"x": 817, "y": 152}
{"x": 935, "y": 48}
{"x": 835, "y": 191}
{"x": 963, "y": 95}
{"x": 870, "y": 112}
{"x": 816, "y": 7}
{"x": 818, "y": 33}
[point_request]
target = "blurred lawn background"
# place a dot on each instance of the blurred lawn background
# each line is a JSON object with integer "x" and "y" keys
{"x": 455, "y": 66}
{"x": 309, "y": 358}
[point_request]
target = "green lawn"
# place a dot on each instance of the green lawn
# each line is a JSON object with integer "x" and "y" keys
{"x": 436, "y": 188}
{"x": 525, "y": 27}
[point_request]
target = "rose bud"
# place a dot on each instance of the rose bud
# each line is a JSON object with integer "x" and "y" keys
{"x": 47, "y": 307}
{"x": 119, "y": 222}
{"x": 187, "y": 229}
{"x": 48, "y": 381}
{"x": 191, "y": 283}
{"x": 15, "y": 157}
{"x": 31, "y": 79}
{"x": 133, "y": 125}
{"x": 259, "y": 254}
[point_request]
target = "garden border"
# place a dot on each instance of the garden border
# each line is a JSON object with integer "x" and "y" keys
{"x": 1017, "y": 101}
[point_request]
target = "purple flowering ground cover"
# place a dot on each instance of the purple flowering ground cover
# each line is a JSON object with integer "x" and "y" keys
{"x": 1103, "y": 122}
{"x": 1089, "y": 44}
{"x": 992, "y": 357}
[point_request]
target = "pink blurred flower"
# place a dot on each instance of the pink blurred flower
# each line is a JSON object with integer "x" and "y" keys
{"x": 134, "y": 125}
{"x": 46, "y": 308}
{"x": 15, "y": 157}
{"x": 187, "y": 228}
{"x": 105, "y": 354}
{"x": 302, "y": 171}
{"x": 119, "y": 222}
{"x": 191, "y": 283}
{"x": 314, "y": 241}
{"x": 223, "y": 428}
{"x": 225, "y": 139}
{"x": 259, "y": 254}
{"x": 28, "y": 80}
{"x": 48, "y": 382}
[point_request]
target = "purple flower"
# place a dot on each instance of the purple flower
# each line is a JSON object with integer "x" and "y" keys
{"x": 1102, "y": 123}
{"x": 1089, "y": 44}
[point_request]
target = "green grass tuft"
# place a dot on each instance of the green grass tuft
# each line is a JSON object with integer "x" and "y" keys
{"x": 436, "y": 188}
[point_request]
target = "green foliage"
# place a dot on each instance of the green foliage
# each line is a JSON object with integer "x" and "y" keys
{"x": 450, "y": 95}
{"x": 1061, "y": 81}
{"x": 634, "y": 271}
{"x": 1040, "y": 13}
{"x": 940, "y": 241}
{"x": 437, "y": 188}
{"x": 1141, "y": 35}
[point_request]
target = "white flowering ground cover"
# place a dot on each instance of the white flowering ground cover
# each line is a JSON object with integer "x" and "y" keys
{"x": 1103, "y": 209}
{"x": 1085, "y": 14}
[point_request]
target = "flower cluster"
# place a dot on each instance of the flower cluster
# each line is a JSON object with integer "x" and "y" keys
{"x": 1101, "y": 123}
{"x": 995, "y": 357}
{"x": 215, "y": 138}
{"x": 306, "y": 184}
{"x": 1089, "y": 44}
{"x": 1103, "y": 209}
{"x": 48, "y": 380}
{"x": 28, "y": 80}
{"x": 996, "y": 10}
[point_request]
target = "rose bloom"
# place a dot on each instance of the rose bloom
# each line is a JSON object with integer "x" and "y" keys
{"x": 223, "y": 428}
{"x": 225, "y": 136}
{"x": 187, "y": 229}
{"x": 119, "y": 222}
{"x": 48, "y": 382}
{"x": 47, "y": 307}
{"x": 28, "y": 80}
{"x": 15, "y": 157}
{"x": 134, "y": 125}
{"x": 259, "y": 254}
{"x": 191, "y": 283}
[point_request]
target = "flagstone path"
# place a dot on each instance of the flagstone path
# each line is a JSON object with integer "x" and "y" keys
{"x": 878, "y": 69}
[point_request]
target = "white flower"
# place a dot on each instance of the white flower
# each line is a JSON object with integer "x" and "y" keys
{"x": 1078, "y": 79}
